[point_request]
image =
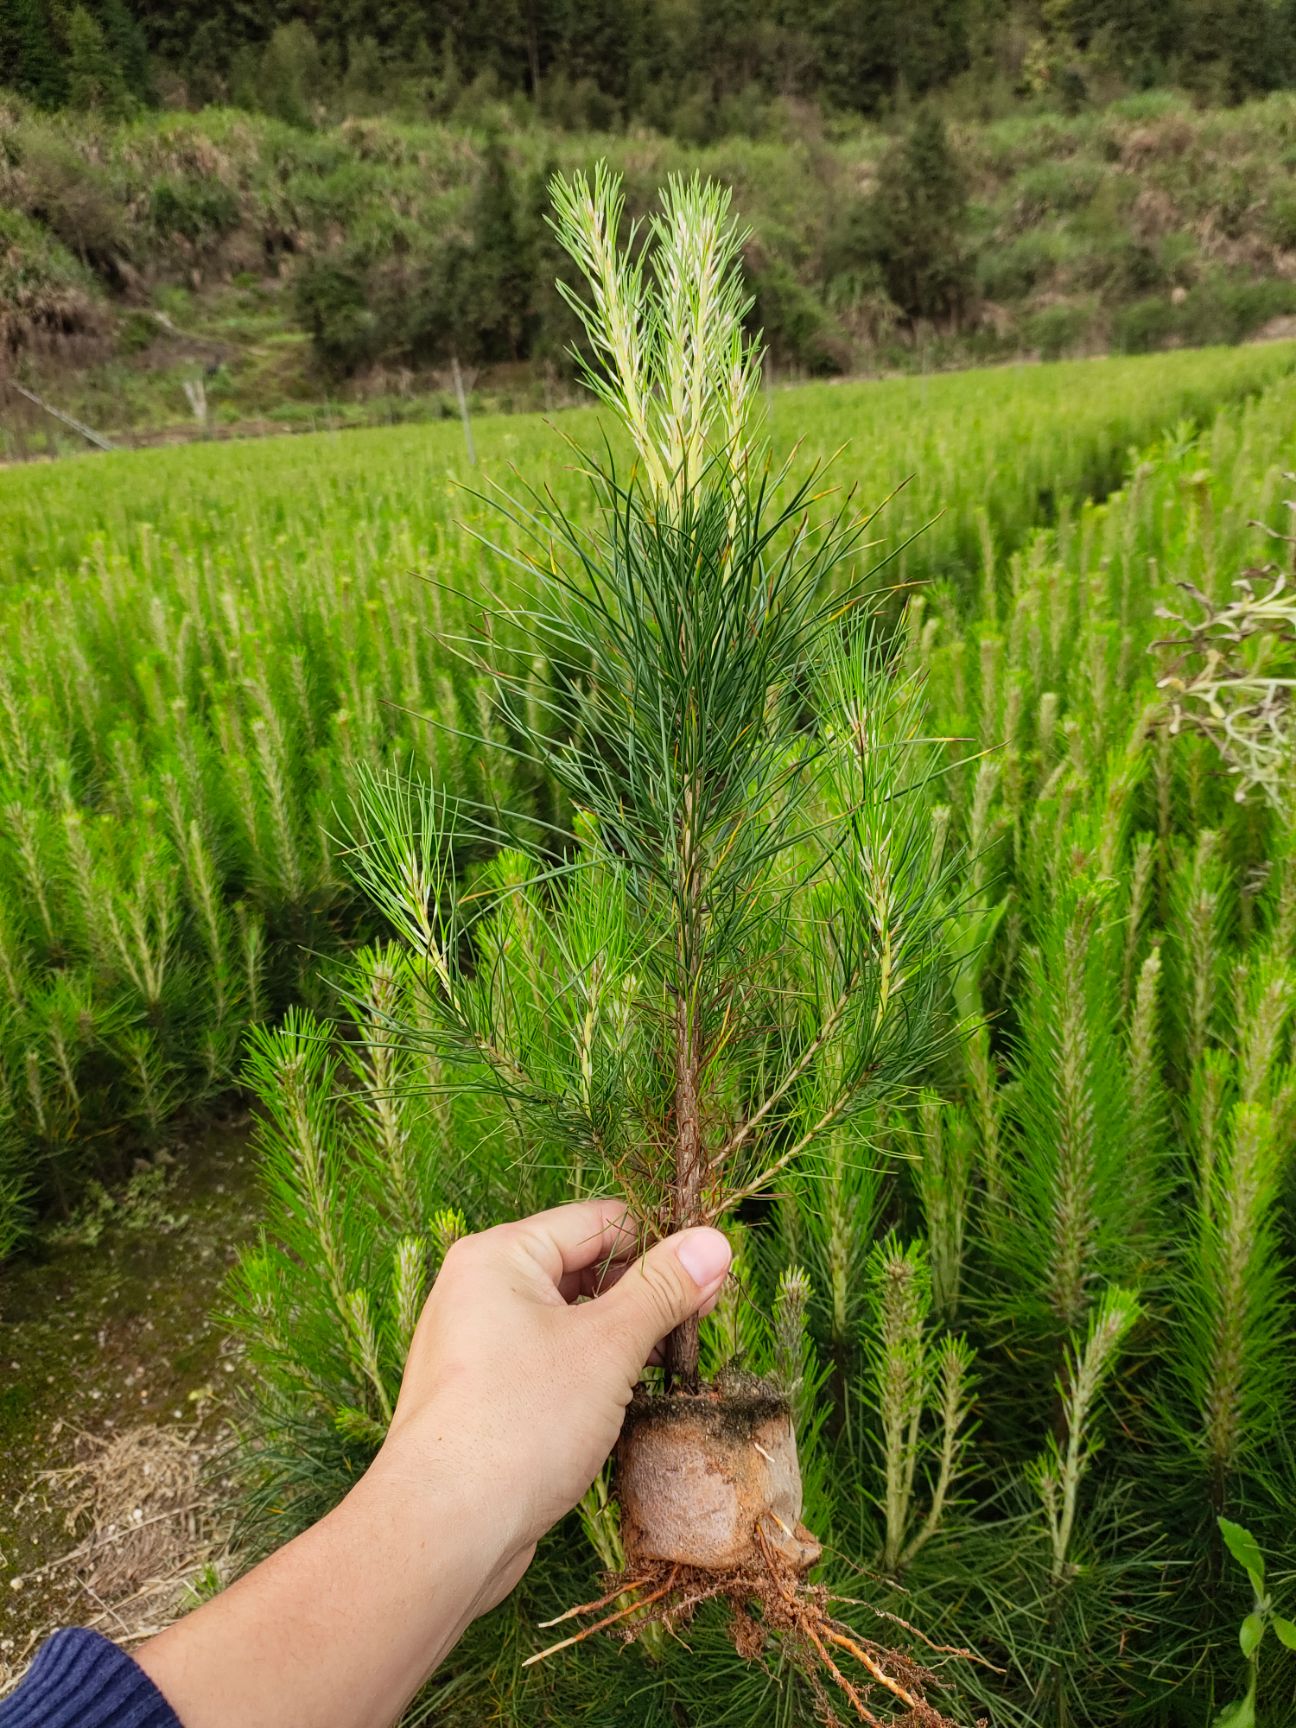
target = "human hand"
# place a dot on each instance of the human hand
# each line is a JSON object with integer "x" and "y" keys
{"x": 513, "y": 1396}
{"x": 517, "y": 1387}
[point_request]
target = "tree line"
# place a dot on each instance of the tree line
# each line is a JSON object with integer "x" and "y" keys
{"x": 484, "y": 290}
{"x": 689, "y": 67}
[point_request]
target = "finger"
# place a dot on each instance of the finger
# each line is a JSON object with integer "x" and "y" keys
{"x": 597, "y": 1279}
{"x": 672, "y": 1281}
{"x": 568, "y": 1241}
{"x": 594, "y": 1280}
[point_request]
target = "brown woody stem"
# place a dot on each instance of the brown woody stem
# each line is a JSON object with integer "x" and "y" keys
{"x": 680, "y": 1353}
{"x": 681, "y": 1349}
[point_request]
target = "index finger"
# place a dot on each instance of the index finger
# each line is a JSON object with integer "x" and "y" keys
{"x": 567, "y": 1241}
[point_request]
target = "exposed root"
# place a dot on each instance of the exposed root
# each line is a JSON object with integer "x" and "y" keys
{"x": 958, "y": 1650}
{"x": 583, "y": 1608}
{"x": 608, "y": 1620}
{"x": 767, "y": 1600}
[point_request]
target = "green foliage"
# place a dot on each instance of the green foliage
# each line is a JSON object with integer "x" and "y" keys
{"x": 333, "y": 304}
{"x": 48, "y": 299}
{"x": 96, "y": 81}
{"x": 921, "y": 1388}
{"x": 792, "y": 321}
{"x": 921, "y": 217}
{"x": 1057, "y": 331}
{"x": 33, "y": 56}
{"x": 742, "y": 927}
{"x": 193, "y": 209}
{"x": 165, "y": 806}
{"x": 210, "y": 643}
{"x": 285, "y": 80}
{"x": 1244, "y": 1549}
{"x": 1147, "y": 226}
{"x": 500, "y": 279}
{"x": 695, "y": 72}
{"x": 191, "y": 694}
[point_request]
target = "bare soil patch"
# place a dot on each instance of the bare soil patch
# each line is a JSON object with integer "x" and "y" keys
{"x": 114, "y": 1395}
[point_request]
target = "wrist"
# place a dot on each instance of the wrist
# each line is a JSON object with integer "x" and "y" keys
{"x": 450, "y": 1505}
{"x": 346, "y": 1622}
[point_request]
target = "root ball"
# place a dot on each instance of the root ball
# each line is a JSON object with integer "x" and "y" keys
{"x": 700, "y": 1478}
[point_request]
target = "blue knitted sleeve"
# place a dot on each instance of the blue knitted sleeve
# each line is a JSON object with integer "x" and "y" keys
{"x": 81, "y": 1680}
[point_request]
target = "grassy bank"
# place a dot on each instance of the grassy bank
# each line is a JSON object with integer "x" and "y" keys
{"x": 303, "y": 275}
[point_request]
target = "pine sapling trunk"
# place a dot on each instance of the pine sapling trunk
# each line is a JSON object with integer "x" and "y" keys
{"x": 688, "y": 1169}
{"x": 681, "y": 1351}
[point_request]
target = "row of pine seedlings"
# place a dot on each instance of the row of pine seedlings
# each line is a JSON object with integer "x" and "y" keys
{"x": 1029, "y": 1304}
{"x": 169, "y": 775}
{"x": 201, "y": 657}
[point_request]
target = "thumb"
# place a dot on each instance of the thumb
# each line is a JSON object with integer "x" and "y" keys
{"x": 659, "y": 1292}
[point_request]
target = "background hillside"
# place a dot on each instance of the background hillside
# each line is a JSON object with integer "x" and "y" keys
{"x": 364, "y": 207}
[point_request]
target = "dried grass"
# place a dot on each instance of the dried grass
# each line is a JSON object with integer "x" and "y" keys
{"x": 151, "y": 1524}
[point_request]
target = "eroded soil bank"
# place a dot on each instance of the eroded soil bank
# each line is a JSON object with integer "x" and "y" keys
{"x": 115, "y": 1386}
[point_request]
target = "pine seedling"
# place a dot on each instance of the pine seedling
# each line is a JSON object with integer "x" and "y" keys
{"x": 1148, "y": 1106}
{"x": 295, "y": 1074}
{"x": 836, "y": 1200}
{"x": 1211, "y": 1091}
{"x": 252, "y": 948}
{"x": 139, "y": 913}
{"x": 1142, "y": 874}
{"x": 204, "y": 896}
{"x": 339, "y": 1326}
{"x": 940, "y": 1147}
{"x": 34, "y": 861}
{"x": 1198, "y": 926}
{"x": 1265, "y": 997}
{"x": 381, "y": 1069}
{"x": 912, "y": 1378}
{"x": 732, "y": 1343}
{"x": 901, "y": 1282}
{"x": 409, "y": 1287}
{"x": 155, "y": 1084}
{"x": 446, "y": 1226}
{"x": 1071, "y": 1223}
{"x": 1232, "y": 1303}
{"x": 1058, "y": 1474}
{"x": 735, "y": 953}
{"x": 279, "y": 845}
{"x": 362, "y": 1333}
{"x": 14, "y": 977}
{"x": 954, "y": 1383}
{"x": 794, "y": 1352}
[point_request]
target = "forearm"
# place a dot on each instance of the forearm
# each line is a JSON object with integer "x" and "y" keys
{"x": 341, "y": 1627}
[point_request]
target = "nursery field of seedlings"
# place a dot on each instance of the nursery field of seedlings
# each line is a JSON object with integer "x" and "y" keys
{"x": 1032, "y": 1306}
{"x": 205, "y": 642}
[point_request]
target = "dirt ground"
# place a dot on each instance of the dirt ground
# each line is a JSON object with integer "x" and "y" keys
{"x": 115, "y": 1386}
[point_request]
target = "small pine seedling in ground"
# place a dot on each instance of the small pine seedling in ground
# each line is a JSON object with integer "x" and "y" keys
{"x": 736, "y": 949}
